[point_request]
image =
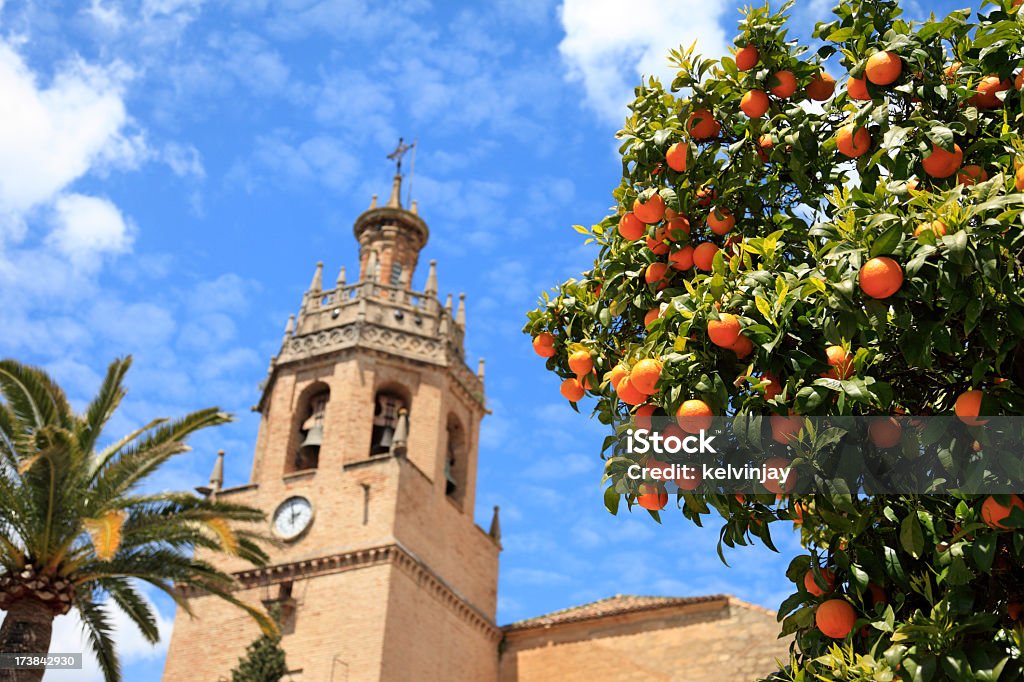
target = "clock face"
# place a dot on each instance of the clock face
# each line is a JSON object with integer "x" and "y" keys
{"x": 292, "y": 517}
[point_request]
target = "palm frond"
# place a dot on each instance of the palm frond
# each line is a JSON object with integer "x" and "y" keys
{"x": 102, "y": 407}
{"x": 33, "y": 395}
{"x": 100, "y": 460}
{"x": 105, "y": 532}
{"x": 135, "y": 606}
{"x": 98, "y": 629}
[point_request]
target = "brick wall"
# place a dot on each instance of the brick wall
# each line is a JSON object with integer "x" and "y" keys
{"x": 714, "y": 642}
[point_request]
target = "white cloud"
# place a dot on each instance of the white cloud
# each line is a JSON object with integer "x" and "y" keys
{"x": 609, "y": 43}
{"x": 51, "y": 136}
{"x": 107, "y": 17}
{"x": 87, "y": 228}
{"x": 321, "y": 160}
{"x": 184, "y": 160}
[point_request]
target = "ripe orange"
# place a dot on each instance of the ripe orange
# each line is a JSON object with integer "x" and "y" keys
{"x": 655, "y": 273}
{"x": 857, "y": 88}
{"x": 677, "y": 228}
{"x": 746, "y": 58}
{"x": 652, "y": 497}
{"x": 755, "y": 104}
{"x": 642, "y": 417}
{"x": 811, "y": 585}
{"x": 936, "y": 227}
{"x": 987, "y": 89}
{"x": 690, "y": 479}
{"x": 580, "y": 362}
{"x": 775, "y": 485}
{"x": 652, "y": 211}
{"x": 658, "y": 241}
{"x": 543, "y": 345}
{"x": 628, "y": 393}
{"x": 615, "y": 376}
{"x": 631, "y": 227}
{"x": 702, "y": 125}
{"x": 785, "y": 430}
{"x": 1019, "y": 178}
{"x": 705, "y": 195}
{"x": 784, "y": 84}
{"x": 765, "y": 143}
{"x": 721, "y": 220}
{"x": 676, "y": 155}
{"x": 572, "y": 390}
{"x": 724, "y": 331}
{"x": 942, "y": 164}
{"x": 951, "y": 71}
{"x": 694, "y": 415}
{"x": 773, "y": 386}
{"x": 835, "y": 618}
{"x": 651, "y": 316}
{"x": 682, "y": 259}
{"x": 852, "y": 141}
{"x": 971, "y": 175}
{"x": 993, "y": 513}
{"x": 821, "y": 87}
{"x": 743, "y": 347}
{"x": 885, "y": 433}
{"x": 840, "y": 361}
{"x": 704, "y": 255}
{"x": 1018, "y": 81}
{"x": 884, "y": 68}
{"x": 968, "y": 407}
{"x": 881, "y": 277}
{"x": 645, "y": 374}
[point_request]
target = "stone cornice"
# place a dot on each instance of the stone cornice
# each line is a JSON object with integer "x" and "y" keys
{"x": 393, "y": 554}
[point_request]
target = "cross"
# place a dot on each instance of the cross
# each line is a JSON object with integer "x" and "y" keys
{"x": 399, "y": 152}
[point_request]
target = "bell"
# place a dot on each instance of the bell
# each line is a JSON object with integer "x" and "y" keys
{"x": 314, "y": 437}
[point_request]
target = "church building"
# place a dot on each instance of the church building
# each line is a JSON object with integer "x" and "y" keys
{"x": 365, "y": 464}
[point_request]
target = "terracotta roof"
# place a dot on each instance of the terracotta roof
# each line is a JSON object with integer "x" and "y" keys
{"x": 618, "y": 604}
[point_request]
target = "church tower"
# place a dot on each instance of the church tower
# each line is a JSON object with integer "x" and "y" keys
{"x": 365, "y": 464}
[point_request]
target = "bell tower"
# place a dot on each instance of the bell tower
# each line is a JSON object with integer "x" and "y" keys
{"x": 365, "y": 464}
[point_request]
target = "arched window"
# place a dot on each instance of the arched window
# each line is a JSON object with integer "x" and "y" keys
{"x": 456, "y": 463}
{"x": 387, "y": 404}
{"x": 310, "y": 413}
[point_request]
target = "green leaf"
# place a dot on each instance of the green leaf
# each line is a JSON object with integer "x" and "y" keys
{"x": 887, "y": 242}
{"x": 911, "y": 536}
{"x": 611, "y": 500}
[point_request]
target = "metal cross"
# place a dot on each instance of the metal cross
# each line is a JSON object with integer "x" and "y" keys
{"x": 399, "y": 152}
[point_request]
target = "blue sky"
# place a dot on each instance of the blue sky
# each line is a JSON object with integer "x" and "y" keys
{"x": 171, "y": 171}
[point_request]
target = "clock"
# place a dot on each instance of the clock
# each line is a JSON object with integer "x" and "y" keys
{"x": 292, "y": 517}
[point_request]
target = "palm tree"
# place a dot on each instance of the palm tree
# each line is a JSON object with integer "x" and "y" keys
{"x": 76, "y": 532}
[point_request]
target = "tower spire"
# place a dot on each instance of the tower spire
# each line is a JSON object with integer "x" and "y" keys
{"x": 431, "y": 289}
{"x": 495, "y": 531}
{"x": 460, "y": 316}
{"x": 318, "y": 278}
{"x": 396, "y": 192}
{"x": 216, "y": 478}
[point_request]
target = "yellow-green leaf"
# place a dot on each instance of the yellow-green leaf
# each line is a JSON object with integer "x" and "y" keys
{"x": 106, "y": 533}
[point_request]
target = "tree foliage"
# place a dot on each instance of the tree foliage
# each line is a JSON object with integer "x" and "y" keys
{"x": 936, "y": 591}
{"x": 77, "y": 532}
{"x": 264, "y": 659}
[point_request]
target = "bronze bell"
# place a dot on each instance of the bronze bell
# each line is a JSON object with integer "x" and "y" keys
{"x": 314, "y": 437}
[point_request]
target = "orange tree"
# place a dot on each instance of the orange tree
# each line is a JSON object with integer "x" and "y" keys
{"x": 789, "y": 244}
